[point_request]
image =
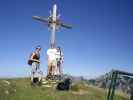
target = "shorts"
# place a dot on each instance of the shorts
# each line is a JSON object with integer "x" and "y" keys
{"x": 53, "y": 62}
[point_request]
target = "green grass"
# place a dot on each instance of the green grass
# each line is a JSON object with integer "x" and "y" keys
{"x": 20, "y": 89}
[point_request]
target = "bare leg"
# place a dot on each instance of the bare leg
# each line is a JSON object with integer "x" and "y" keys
{"x": 33, "y": 71}
{"x": 53, "y": 70}
{"x": 49, "y": 68}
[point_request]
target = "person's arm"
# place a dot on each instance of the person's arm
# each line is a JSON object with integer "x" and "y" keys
{"x": 34, "y": 59}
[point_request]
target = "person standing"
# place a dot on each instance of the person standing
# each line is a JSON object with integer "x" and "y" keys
{"x": 60, "y": 60}
{"x": 34, "y": 61}
{"x": 51, "y": 58}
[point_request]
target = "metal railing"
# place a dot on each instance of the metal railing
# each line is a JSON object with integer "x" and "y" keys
{"x": 114, "y": 77}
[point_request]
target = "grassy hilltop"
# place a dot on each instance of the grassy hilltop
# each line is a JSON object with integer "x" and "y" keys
{"x": 20, "y": 89}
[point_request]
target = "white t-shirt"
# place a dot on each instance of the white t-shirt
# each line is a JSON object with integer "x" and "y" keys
{"x": 51, "y": 54}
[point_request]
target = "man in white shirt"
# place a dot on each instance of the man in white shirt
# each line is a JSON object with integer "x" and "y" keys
{"x": 51, "y": 57}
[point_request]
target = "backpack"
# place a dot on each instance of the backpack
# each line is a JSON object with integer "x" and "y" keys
{"x": 29, "y": 60}
{"x": 65, "y": 85}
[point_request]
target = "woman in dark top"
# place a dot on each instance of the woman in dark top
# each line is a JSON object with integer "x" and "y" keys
{"x": 35, "y": 63}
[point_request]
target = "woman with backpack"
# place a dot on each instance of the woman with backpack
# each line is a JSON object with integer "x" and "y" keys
{"x": 34, "y": 61}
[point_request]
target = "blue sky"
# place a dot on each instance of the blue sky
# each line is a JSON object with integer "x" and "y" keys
{"x": 101, "y": 38}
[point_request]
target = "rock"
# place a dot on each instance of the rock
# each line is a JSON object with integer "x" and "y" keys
{"x": 14, "y": 90}
{"x": 6, "y": 82}
{"x": 47, "y": 86}
{"x": 6, "y": 92}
